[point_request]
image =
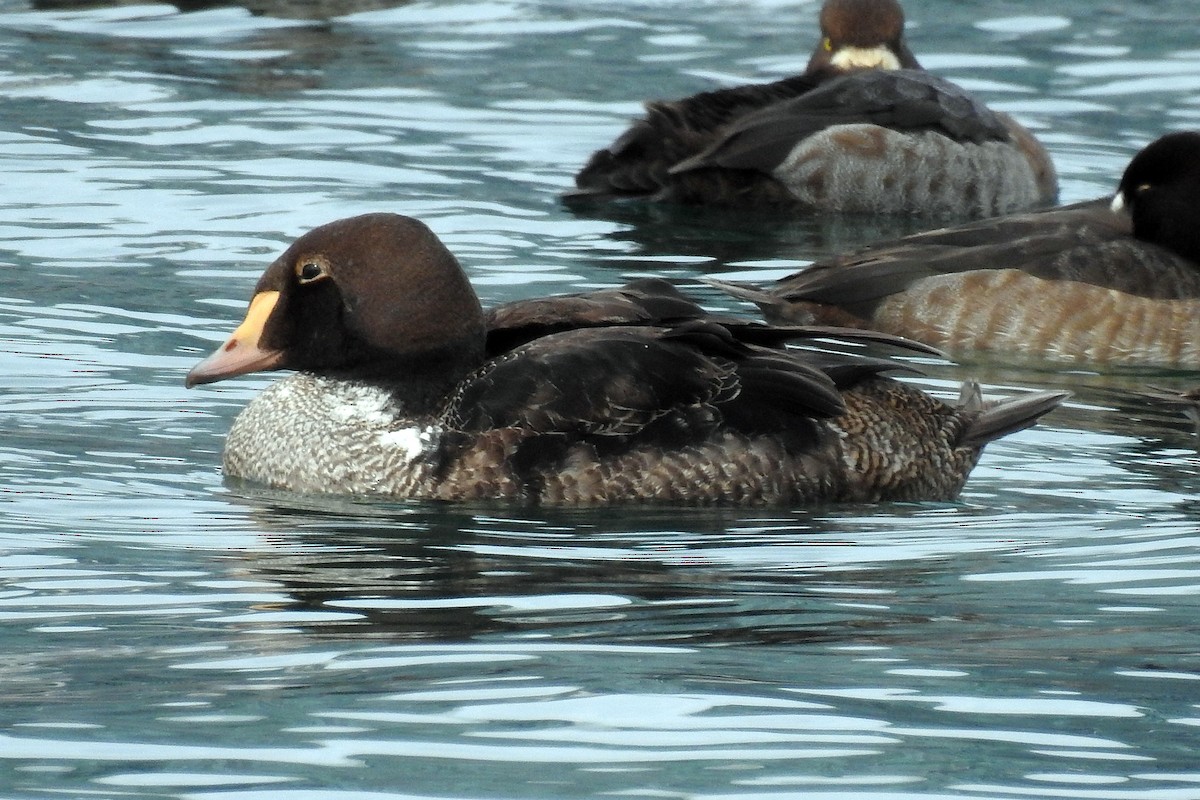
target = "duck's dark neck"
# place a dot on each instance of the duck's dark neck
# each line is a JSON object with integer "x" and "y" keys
{"x": 1169, "y": 226}
{"x": 422, "y": 382}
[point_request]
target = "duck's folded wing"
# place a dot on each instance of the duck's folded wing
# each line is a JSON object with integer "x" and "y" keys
{"x": 672, "y": 130}
{"x": 648, "y": 382}
{"x": 1090, "y": 220}
{"x": 1085, "y": 243}
{"x": 648, "y": 301}
{"x": 902, "y": 100}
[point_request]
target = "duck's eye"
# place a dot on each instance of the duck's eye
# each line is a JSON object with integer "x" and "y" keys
{"x": 827, "y": 43}
{"x": 310, "y": 269}
{"x": 1141, "y": 188}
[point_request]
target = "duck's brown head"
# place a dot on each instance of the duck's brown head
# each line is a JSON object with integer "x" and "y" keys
{"x": 364, "y": 294}
{"x": 861, "y": 34}
{"x": 1160, "y": 190}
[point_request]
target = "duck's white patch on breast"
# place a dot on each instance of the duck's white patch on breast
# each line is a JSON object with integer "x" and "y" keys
{"x": 364, "y": 405}
{"x": 411, "y": 443}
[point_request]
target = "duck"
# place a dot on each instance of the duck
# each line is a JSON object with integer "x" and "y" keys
{"x": 404, "y": 387}
{"x": 1111, "y": 281}
{"x": 863, "y": 130}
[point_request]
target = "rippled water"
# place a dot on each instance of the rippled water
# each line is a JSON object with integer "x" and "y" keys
{"x": 165, "y": 636}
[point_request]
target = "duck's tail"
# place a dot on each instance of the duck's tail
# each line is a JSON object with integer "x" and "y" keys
{"x": 1003, "y": 417}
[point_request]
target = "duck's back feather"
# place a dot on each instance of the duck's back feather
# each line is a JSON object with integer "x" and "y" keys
{"x": 902, "y": 100}
{"x": 641, "y": 302}
{"x": 638, "y": 161}
{"x": 1084, "y": 243}
{"x": 642, "y": 382}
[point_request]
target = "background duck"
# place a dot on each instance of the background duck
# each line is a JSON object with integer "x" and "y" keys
{"x": 408, "y": 389}
{"x": 1111, "y": 280}
{"x": 863, "y": 129}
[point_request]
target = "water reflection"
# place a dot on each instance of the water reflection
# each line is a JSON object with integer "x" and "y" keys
{"x": 720, "y": 240}
{"x": 792, "y": 578}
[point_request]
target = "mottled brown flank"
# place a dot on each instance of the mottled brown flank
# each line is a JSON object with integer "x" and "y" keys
{"x": 731, "y": 469}
{"x": 802, "y": 313}
{"x": 480, "y": 472}
{"x": 817, "y": 181}
{"x": 905, "y": 441}
{"x": 893, "y": 442}
{"x": 1012, "y": 312}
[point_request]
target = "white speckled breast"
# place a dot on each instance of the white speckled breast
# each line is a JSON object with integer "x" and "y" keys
{"x": 866, "y": 168}
{"x": 312, "y": 434}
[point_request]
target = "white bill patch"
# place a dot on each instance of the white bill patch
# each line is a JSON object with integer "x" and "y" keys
{"x": 865, "y": 58}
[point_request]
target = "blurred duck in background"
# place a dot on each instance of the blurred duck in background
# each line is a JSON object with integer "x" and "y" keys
{"x": 1114, "y": 280}
{"x": 863, "y": 130}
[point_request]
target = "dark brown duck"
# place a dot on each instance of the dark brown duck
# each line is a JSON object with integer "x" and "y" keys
{"x": 1114, "y": 280}
{"x": 406, "y": 388}
{"x": 863, "y": 129}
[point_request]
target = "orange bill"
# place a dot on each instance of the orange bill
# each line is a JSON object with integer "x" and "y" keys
{"x": 241, "y": 352}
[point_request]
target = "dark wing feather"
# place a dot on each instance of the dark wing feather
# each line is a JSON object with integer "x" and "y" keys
{"x": 853, "y": 285}
{"x": 1085, "y": 242}
{"x": 646, "y": 381}
{"x": 903, "y": 100}
{"x": 643, "y": 302}
{"x": 776, "y": 335}
{"x": 604, "y": 381}
{"x": 638, "y": 161}
{"x": 848, "y": 370}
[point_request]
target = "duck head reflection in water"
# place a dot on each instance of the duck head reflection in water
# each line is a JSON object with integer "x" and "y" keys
{"x": 407, "y": 388}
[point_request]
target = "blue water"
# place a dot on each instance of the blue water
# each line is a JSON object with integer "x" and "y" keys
{"x": 165, "y": 636}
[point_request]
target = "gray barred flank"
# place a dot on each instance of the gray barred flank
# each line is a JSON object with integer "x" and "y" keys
{"x": 926, "y": 173}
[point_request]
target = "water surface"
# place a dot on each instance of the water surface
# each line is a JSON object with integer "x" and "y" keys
{"x": 168, "y": 636}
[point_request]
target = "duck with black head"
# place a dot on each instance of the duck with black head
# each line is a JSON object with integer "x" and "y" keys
{"x": 863, "y": 130}
{"x": 1114, "y": 280}
{"x": 406, "y": 388}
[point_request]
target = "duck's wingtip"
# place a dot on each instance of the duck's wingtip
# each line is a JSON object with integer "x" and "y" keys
{"x": 741, "y": 291}
{"x": 688, "y": 164}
